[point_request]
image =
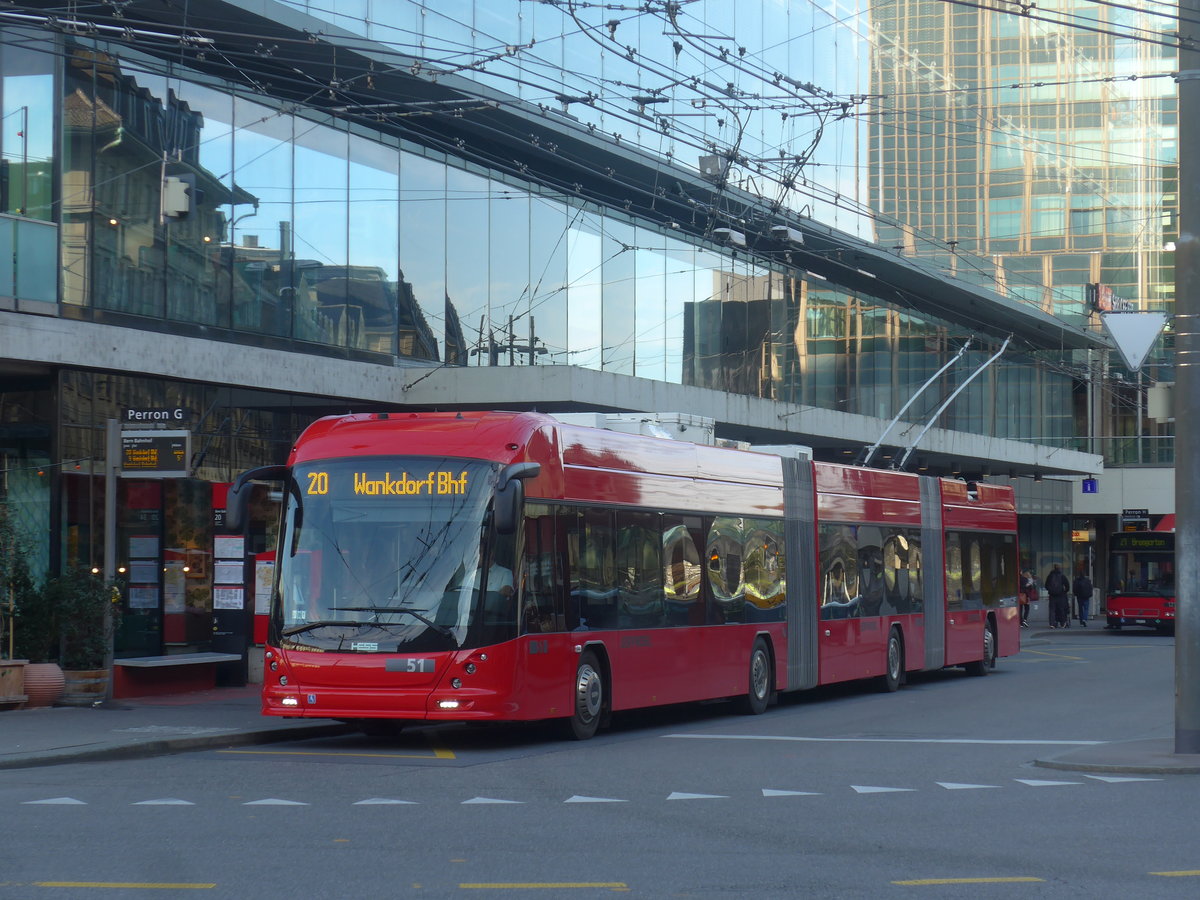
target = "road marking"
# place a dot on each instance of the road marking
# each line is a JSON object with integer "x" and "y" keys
{"x": 954, "y": 786}
{"x": 381, "y": 801}
{"x": 578, "y": 799}
{"x": 273, "y": 801}
{"x": 166, "y": 801}
{"x": 55, "y": 801}
{"x": 1183, "y": 873}
{"x": 768, "y": 792}
{"x": 677, "y": 795}
{"x": 817, "y": 740}
{"x": 124, "y": 884}
{"x": 488, "y": 800}
{"x": 525, "y": 885}
{"x": 1015, "y": 879}
{"x": 867, "y": 789}
{"x": 1034, "y": 782}
{"x": 1115, "y": 779}
{"x": 1051, "y": 656}
{"x": 438, "y": 753}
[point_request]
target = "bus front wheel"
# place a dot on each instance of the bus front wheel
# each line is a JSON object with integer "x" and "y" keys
{"x": 589, "y": 700}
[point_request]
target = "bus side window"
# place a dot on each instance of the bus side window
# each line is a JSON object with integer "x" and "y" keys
{"x": 681, "y": 573}
{"x": 639, "y": 570}
{"x": 954, "y": 572}
{"x": 592, "y": 570}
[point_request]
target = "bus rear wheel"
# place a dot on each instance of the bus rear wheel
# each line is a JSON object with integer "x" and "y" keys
{"x": 589, "y": 700}
{"x": 758, "y": 692}
{"x": 983, "y": 666}
{"x": 893, "y": 674}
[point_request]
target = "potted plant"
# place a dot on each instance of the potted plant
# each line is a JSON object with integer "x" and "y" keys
{"x": 35, "y": 635}
{"x": 84, "y": 611}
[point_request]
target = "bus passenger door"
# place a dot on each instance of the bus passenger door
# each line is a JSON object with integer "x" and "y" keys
{"x": 838, "y": 630}
{"x": 964, "y": 602}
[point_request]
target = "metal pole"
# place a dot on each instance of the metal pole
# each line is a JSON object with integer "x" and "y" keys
{"x": 112, "y": 456}
{"x": 1187, "y": 386}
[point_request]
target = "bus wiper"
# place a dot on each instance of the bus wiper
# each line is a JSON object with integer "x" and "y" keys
{"x": 321, "y": 623}
{"x": 440, "y": 629}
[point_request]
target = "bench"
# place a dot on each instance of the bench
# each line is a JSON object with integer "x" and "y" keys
{"x": 175, "y": 673}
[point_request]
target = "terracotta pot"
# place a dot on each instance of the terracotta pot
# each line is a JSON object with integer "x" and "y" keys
{"x": 43, "y": 684}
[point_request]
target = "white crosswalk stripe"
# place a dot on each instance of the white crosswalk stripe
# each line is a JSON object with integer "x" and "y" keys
{"x": 861, "y": 789}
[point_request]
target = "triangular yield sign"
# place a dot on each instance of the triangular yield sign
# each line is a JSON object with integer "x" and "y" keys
{"x": 1134, "y": 334}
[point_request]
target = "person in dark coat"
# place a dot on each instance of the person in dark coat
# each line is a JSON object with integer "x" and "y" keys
{"x": 1059, "y": 589}
{"x": 1082, "y": 589}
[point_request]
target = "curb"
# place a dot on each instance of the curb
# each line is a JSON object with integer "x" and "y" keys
{"x": 167, "y": 746}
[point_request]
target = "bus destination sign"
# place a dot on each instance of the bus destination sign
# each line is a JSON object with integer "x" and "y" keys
{"x": 155, "y": 454}
{"x": 436, "y": 483}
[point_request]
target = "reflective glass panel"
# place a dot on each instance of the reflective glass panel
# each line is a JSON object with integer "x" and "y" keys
{"x": 322, "y": 310}
{"x": 510, "y": 284}
{"x": 260, "y": 235}
{"x": 467, "y": 266}
{"x": 423, "y": 254}
{"x": 384, "y": 310}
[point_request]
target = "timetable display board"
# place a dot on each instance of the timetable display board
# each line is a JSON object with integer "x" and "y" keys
{"x": 155, "y": 454}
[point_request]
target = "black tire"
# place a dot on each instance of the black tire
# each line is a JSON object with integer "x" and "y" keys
{"x": 758, "y": 682}
{"x": 893, "y": 675}
{"x": 981, "y": 667}
{"x": 588, "y": 698}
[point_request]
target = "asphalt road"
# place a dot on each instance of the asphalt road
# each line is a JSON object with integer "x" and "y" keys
{"x": 929, "y": 792}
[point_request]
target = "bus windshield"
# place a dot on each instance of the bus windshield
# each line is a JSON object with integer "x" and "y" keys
{"x": 1143, "y": 563}
{"x": 385, "y": 555}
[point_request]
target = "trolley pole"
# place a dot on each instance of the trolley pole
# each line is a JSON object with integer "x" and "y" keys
{"x": 1187, "y": 388}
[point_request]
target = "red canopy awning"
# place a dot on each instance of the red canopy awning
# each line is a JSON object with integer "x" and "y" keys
{"x": 1166, "y": 523}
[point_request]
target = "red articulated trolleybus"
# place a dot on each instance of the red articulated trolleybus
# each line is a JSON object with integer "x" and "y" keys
{"x": 491, "y": 566}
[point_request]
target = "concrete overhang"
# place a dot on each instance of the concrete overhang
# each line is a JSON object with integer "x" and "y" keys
{"x": 40, "y": 343}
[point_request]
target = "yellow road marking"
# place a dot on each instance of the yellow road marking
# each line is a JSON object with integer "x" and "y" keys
{"x": 122, "y": 884}
{"x": 1183, "y": 873}
{"x": 523, "y": 885}
{"x": 437, "y": 754}
{"x": 1051, "y": 655}
{"x": 918, "y": 882}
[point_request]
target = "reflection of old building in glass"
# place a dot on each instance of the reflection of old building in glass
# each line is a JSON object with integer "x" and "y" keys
{"x": 417, "y": 211}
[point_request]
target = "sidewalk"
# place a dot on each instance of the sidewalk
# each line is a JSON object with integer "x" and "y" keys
{"x": 150, "y": 726}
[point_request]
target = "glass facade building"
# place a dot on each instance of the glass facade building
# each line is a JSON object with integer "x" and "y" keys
{"x": 487, "y": 184}
{"x": 1047, "y": 144}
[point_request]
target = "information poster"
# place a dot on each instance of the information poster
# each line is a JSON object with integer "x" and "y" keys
{"x": 228, "y": 598}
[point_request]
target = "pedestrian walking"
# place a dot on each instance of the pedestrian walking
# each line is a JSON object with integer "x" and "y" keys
{"x": 1082, "y": 589}
{"x": 1059, "y": 589}
{"x": 1028, "y": 595}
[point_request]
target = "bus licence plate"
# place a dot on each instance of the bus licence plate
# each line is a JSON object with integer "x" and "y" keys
{"x": 411, "y": 664}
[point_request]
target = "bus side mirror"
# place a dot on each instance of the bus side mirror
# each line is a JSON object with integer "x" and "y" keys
{"x": 510, "y": 495}
{"x": 238, "y": 498}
